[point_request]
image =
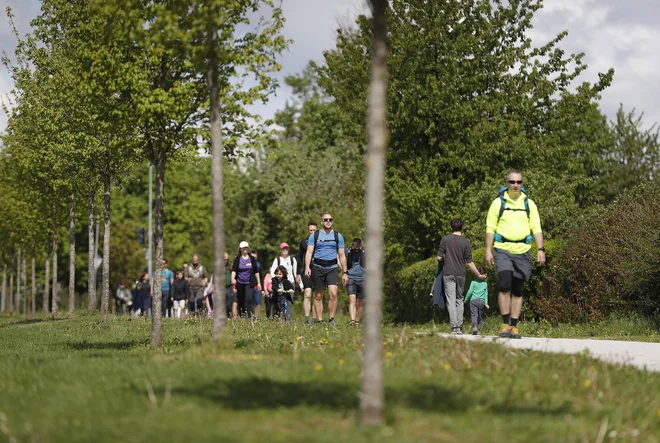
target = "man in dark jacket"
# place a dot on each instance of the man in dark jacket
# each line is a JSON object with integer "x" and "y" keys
{"x": 355, "y": 263}
{"x": 300, "y": 275}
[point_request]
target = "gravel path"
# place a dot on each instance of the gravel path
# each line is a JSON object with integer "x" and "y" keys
{"x": 639, "y": 354}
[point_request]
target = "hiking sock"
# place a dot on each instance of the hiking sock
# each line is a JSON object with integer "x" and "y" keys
{"x": 514, "y": 322}
{"x": 505, "y": 318}
{"x": 307, "y": 318}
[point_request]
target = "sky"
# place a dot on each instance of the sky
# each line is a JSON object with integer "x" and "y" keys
{"x": 612, "y": 33}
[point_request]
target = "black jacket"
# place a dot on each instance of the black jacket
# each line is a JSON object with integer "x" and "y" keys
{"x": 284, "y": 284}
{"x": 302, "y": 250}
{"x": 180, "y": 290}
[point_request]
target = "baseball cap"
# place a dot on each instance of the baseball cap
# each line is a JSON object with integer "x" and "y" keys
{"x": 284, "y": 245}
{"x": 243, "y": 244}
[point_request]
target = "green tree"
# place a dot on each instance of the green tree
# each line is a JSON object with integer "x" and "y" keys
{"x": 469, "y": 97}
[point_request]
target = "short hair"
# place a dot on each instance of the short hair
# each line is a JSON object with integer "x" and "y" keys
{"x": 283, "y": 270}
{"x": 185, "y": 263}
{"x": 456, "y": 225}
{"x": 326, "y": 213}
{"x": 358, "y": 241}
{"x": 513, "y": 171}
{"x": 165, "y": 260}
{"x": 254, "y": 251}
{"x": 313, "y": 224}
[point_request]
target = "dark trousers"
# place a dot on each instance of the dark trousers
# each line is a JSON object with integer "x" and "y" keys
{"x": 272, "y": 306}
{"x": 245, "y": 299}
{"x": 285, "y": 306}
{"x": 477, "y": 309}
{"x": 165, "y": 306}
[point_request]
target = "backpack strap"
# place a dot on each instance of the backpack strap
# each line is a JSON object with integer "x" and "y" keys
{"x": 293, "y": 268}
{"x": 337, "y": 242}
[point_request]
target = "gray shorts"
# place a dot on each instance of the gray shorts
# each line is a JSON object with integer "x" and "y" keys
{"x": 519, "y": 264}
{"x": 355, "y": 287}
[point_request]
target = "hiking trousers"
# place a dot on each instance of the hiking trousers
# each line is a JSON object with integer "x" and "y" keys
{"x": 454, "y": 292}
{"x": 477, "y": 309}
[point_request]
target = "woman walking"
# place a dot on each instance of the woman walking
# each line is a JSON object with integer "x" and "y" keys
{"x": 244, "y": 277}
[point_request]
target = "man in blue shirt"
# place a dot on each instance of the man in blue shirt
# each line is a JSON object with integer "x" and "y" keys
{"x": 167, "y": 279}
{"x": 325, "y": 254}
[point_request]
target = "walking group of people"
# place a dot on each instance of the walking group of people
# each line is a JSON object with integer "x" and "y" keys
{"x": 321, "y": 256}
{"x": 512, "y": 225}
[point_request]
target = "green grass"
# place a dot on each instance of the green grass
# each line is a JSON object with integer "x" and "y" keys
{"x": 83, "y": 380}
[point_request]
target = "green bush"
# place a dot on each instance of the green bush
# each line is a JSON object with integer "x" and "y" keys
{"x": 610, "y": 262}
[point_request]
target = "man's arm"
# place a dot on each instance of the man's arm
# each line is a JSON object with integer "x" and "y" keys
{"x": 342, "y": 261}
{"x": 476, "y": 272}
{"x": 540, "y": 255}
{"x": 308, "y": 260}
{"x": 489, "y": 246}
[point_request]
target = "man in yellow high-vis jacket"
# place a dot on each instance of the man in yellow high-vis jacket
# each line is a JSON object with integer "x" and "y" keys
{"x": 513, "y": 222}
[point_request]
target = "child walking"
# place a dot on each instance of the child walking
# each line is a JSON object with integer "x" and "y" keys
{"x": 283, "y": 290}
{"x": 477, "y": 295}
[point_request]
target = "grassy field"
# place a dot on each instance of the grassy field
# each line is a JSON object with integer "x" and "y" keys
{"x": 83, "y": 380}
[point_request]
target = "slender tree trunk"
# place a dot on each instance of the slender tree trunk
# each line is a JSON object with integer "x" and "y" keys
{"x": 17, "y": 296}
{"x": 34, "y": 287}
{"x": 372, "y": 401}
{"x": 11, "y": 293}
{"x": 53, "y": 305}
{"x": 105, "y": 279}
{"x": 219, "y": 284}
{"x": 72, "y": 254}
{"x": 44, "y": 303}
{"x": 4, "y": 306}
{"x": 157, "y": 286}
{"x": 91, "y": 269}
{"x": 24, "y": 277}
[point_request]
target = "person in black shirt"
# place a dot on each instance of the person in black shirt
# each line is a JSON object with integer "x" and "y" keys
{"x": 306, "y": 281}
{"x": 179, "y": 293}
{"x": 283, "y": 289}
{"x": 456, "y": 252}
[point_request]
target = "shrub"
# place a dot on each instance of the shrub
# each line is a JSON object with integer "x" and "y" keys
{"x": 610, "y": 262}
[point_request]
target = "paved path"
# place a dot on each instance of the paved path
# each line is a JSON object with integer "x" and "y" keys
{"x": 639, "y": 354}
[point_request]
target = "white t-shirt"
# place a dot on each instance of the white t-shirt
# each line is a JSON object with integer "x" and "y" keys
{"x": 286, "y": 262}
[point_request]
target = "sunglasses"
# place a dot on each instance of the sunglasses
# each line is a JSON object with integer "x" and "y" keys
{"x": 327, "y": 219}
{"x": 515, "y": 182}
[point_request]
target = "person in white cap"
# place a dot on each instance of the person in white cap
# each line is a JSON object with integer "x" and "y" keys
{"x": 244, "y": 277}
{"x": 288, "y": 261}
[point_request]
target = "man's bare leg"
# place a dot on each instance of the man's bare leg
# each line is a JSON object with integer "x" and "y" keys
{"x": 318, "y": 305}
{"x": 516, "y": 306}
{"x": 332, "y": 301}
{"x": 351, "y": 306}
{"x": 358, "y": 314}
{"x": 307, "y": 301}
{"x": 504, "y": 300}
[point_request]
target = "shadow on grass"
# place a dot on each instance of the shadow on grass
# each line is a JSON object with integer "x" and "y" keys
{"x": 108, "y": 346}
{"x": 29, "y": 321}
{"x": 263, "y": 393}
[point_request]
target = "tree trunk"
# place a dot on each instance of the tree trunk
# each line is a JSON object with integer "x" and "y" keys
{"x": 91, "y": 268}
{"x": 53, "y": 305}
{"x": 219, "y": 284}
{"x": 156, "y": 284}
{"x": 372, "y": 401}
{"x": 10, "y": 299}
{"x": 17, "y": 296}
{"x": 105, "y": 280}
{"x": 34, "y": 287}
{"x": 24, "y": 277}
{"x": 4, "y": 306}
{"x": 72, "y": 254}
{"x": 44, "y": 303}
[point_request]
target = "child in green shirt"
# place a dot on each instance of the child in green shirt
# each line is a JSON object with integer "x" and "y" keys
{"x": 477, "y": 295}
